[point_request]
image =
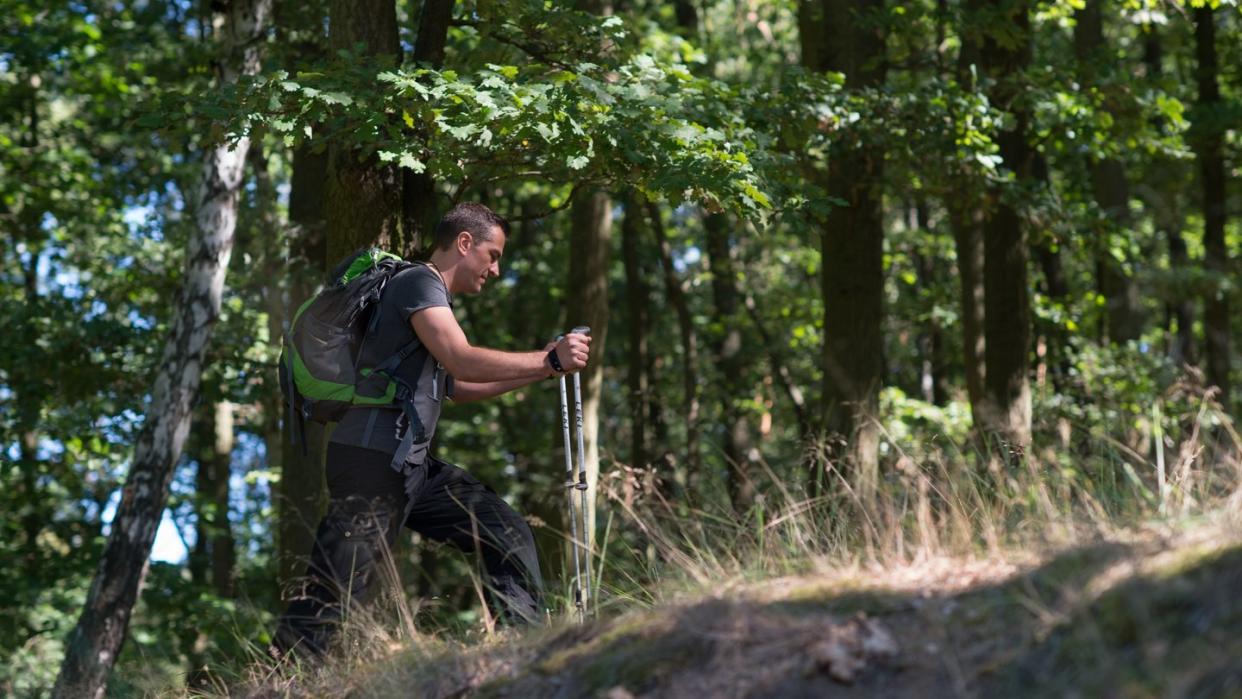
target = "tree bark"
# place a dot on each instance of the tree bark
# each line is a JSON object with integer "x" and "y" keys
{"x": 418, "y": 198}
{"x": 1212, "y": 179}
{"x": 836, "y": 36}
{"x": 689, "y": 343}
{"x": 363, "y": 198}
{"x": 587, "y": 304}
{"x": 933, "y": 383}
{"x": 1161, "y": 189}
{"x": 967, "y": 226}
{"x": 301, "y": 495}
{"x": 966, "y": 217}
{"x": 1005, "y": 411}
{"x": 1123, "y": 310}
{"x": 731, "y": 359}
{"x": 637, "y": 299}
{"x": 96, "y": 640}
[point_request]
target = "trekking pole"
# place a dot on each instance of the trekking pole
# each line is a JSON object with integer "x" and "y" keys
{"x": 569, "y": 501}
{"x": 582, "y": 482}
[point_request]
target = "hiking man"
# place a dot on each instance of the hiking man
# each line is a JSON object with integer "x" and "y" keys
{"x": 373, "y": 492}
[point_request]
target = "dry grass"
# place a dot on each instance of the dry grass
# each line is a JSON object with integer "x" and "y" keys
{"x": 944, "y": 519}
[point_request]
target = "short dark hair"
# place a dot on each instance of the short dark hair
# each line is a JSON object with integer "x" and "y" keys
{"x": 472, "y": 217}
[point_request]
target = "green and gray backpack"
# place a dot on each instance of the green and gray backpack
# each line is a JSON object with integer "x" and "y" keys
{"x": 320, "y": 374}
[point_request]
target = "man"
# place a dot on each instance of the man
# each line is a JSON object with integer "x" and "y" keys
{"x": 372, "y": 494}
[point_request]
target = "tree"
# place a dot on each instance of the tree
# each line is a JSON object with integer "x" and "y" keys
{"x": 1212, "y": 181}
{"x": 1005, "y": 410}
{"x": 363, "y": 197}
{"x": 1111, "y": 190}
{"x": 731, "y": 358}
{"x": 418, "y": 199}
{"x": 637, "y": 297}
{"x": 587, "y": 304}
{"x": 842, "y": 36}
{"x": 96, "y": 640}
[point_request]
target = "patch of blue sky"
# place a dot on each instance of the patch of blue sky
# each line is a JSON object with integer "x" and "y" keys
{"x": 168, "y": 546}
{"x": 682, "y": 259}
{"x": 139, "y": 321}
{"x": 97, "y": 308}
{"x": 137, "y": 217}
{"x": 49, "y": 449}
{"x": 119, "y": 429}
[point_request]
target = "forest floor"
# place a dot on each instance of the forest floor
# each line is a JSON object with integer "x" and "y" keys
{"x": 1149, "y": 612}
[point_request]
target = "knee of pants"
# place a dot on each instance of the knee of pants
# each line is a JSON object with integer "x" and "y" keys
{"x": 351, "y": 539}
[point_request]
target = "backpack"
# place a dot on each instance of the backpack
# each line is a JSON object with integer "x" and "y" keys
{"x": 320, "y": 375}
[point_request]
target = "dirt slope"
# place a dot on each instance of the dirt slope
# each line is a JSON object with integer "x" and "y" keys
{"x": 1152, "y": 617}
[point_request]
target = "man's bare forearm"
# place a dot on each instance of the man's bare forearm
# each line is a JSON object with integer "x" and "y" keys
{"x": 470, "y": 391}
{"x": 486, "y": 365}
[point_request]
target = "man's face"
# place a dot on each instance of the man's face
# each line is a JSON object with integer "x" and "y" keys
{"x": 482, "y": 259}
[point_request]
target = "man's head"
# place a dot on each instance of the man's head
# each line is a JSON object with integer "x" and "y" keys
{"x": 470, "y": 239}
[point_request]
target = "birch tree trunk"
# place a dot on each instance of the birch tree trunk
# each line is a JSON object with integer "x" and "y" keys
{"x": 95, "y": 641}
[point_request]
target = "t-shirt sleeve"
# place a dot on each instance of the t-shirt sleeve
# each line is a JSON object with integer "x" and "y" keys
{"x": 416, "y": 289}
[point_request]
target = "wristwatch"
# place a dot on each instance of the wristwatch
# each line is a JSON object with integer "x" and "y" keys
{"x": 555, "y": 361}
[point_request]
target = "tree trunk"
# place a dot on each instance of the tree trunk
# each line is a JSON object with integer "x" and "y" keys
{"x": 933, "y": 383}
{"x": 1005, "y": 411}
{"x": 213, "y": 557}
{"x": 96, "y": 640}
{"x": 1123, "y": 316}
{"x": 587, "y": 304}
{"x": 223, "y": 553}
{"x": 780, "y": 369}
{"x": 835, "y": 37}
{"x": 731, "y": 359}
{"x": 637, "y": 299}
{"x": 689, "y": 344}
{"x": 1161, "y": 190}
{"x": 301, "y": 495}
{"x": 418, "y": 198}
{"x": 968, "y": 242}
{"x": 363, "y": 199}
{"x": 1212, "y": 179}
{"x": 966, "y": 217}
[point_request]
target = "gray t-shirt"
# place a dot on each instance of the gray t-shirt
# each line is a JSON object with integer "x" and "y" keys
{"x": 381, "y": 428}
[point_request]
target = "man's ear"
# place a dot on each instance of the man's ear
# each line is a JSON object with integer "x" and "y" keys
{"x": 464, "y": 241}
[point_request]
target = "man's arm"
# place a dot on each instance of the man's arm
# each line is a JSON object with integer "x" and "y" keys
{"x": 470, "y": 391}
{"x": 439, "y": 331}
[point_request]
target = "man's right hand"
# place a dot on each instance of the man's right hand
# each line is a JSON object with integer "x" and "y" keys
{"x": 573, "y": 350}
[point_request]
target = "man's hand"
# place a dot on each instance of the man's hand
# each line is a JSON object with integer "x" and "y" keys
{"x": 572, "y": 350}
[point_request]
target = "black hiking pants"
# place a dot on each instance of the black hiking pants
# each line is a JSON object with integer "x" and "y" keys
{"x": 369, "y": 503}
